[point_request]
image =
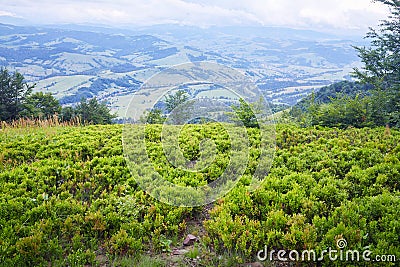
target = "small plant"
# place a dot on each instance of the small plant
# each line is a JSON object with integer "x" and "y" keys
{"x": 193, "y": 253}
{"x": 140, "y": 261}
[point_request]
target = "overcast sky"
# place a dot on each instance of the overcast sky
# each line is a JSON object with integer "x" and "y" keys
{"x": 331, "y": 15}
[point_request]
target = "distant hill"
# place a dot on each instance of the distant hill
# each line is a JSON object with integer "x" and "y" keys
{"x": 326, "y": 93}
{"x": 74, "y": 61}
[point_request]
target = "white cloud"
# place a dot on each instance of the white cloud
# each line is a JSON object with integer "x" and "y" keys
{"x": 7, "y": 14}
{"x": 332, "y": 14}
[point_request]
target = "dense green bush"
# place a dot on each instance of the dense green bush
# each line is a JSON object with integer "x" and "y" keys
{"x": 67, "y": 195}
{"x": 325, "y": 184}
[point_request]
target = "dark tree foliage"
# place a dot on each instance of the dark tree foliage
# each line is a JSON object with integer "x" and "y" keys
{"x": 93, "y": 112}
{"x": 339, "y": 105}
{"x": 41, "y": 105}
{"x": 174, "y": 100}
{"x": 17, "y": 101}
{"x": 68, "y": 114}
{"x": 382, "y": 67}
{"x": 381, "y": 60}
{"x": 333, "y": 91}
{"x": 154, "y": 116}
{"x": 245, "y": 114}
{"x": 179, "y": 107}
{"x": 377, "y": 102}
{"x": 13, "y": 93}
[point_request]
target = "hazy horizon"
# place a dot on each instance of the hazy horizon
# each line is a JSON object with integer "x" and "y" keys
{"x": 337, "y": 16}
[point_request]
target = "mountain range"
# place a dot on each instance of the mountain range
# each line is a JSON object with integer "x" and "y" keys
{"x": 75, "y": 61}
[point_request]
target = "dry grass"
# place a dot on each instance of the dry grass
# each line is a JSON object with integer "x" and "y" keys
{"x": 25, "y": 126}
{"x": 38, "y": 123}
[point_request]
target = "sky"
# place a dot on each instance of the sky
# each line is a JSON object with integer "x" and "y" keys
{"x": 323, "y": 15}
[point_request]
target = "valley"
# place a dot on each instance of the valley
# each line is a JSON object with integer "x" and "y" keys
{"x": 112, "y": 64}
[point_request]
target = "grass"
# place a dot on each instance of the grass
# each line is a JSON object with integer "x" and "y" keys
{"x": 193, "y": 253}
{"x": 37, "y": 123}
{"x": 59, "y": 85}
{"x": 140, "y": 261}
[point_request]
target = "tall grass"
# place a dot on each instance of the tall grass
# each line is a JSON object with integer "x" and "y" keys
{"x": 54, "y": 121}
{"x": 24, "y": 126}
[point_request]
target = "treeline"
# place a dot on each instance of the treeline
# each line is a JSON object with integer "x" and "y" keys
{"x": 327, "y": 93}
{"x": 18, "y": 101}
{"x": 335, "y": 106}
{"x": 340, "y": 105}
{"x": 375, "y": 99}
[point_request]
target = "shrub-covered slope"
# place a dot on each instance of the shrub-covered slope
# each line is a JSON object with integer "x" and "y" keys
{"x": 67, "y": 196}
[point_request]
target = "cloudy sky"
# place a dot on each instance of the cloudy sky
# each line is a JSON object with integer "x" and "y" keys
{"x": 330, "y": 15}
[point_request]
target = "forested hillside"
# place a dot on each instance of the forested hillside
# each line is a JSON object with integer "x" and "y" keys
{"x": 374, "y": 99}
{"x": 328, "y": 93}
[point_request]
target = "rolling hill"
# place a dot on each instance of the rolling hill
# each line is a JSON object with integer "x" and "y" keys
{"x": 73, "y": 61}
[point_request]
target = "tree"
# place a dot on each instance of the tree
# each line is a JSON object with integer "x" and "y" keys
{"x": 68, "y": 114}
{"x": 13, "y": 92}
{"x": 244, "y": 112}
{"x": 94, "y": 112}
{"x": 154, "y": 116}
{"x": 341, "y": 112}
{"x": 40, "y": 105}
{"x": 382, "y": 66}
{"x": 174, "y": 100}
{"x": 178, "y": 107}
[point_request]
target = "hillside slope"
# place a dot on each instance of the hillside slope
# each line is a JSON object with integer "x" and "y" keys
{"x": 111, "y": 64}
{"x": 327, "y": 93}
{"x": 68, "y": 198}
